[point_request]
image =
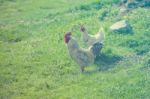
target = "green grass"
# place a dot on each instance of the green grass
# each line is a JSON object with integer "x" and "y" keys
{"x": 35, "y": 64}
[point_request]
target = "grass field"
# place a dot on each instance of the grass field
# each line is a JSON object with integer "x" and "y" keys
{"x": 34, "y": 60}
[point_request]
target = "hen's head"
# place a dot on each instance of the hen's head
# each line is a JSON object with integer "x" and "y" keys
{"x": 67, "y": 37}
{"x": 82, "y": 28}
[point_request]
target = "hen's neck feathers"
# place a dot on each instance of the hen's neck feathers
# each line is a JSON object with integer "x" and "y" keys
{"x": 73, "y": 44}
{"x": 85, "y": 35}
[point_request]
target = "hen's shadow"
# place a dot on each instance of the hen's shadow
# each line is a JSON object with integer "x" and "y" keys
{"x": 106, "y": 61}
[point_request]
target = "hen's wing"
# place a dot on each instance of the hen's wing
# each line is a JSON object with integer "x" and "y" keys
{"x": 84, "y": 58}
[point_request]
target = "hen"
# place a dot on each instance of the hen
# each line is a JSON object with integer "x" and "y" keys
{"x": 83, "y": 57}
{"x": 96, "y": 41}
{"x": 92, "y": 39}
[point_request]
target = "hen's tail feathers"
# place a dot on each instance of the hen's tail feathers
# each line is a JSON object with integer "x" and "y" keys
{"x": 96, "y": 48}
{"x": 102, "y": 33}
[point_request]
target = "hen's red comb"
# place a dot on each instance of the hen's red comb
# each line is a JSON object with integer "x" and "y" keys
{"x": 67, "y": 37}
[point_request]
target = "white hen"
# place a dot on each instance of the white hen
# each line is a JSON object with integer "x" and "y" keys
{"x": 92, "y": 39}
{"x": 83, "y": 57}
